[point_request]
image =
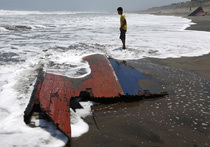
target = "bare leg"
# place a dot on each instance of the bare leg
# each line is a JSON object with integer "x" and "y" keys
{"x": 123, "y": 41}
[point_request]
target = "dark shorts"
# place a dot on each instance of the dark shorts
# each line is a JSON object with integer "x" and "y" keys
{"x": 122, "y": 34}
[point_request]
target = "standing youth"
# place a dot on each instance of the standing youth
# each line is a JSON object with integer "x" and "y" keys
{"x": 123, "y": 26}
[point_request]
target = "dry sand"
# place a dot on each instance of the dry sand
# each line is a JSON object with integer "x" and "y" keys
{"x": 181, "y": 119}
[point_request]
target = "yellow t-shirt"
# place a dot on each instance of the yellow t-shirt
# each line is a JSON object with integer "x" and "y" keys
{"x": 122, "y": 18}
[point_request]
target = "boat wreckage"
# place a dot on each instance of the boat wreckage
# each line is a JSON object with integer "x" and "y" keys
{"x": 198, "y": 12}
{"x": 109, "y": 82}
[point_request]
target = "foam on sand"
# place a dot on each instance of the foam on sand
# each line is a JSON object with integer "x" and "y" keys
{"x": 16, "y": 86}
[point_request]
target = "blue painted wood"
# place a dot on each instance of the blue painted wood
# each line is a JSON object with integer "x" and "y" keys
{"x": 132, "y": 81}
{"x": 196, "y": 11}
{"x": 127, "y": 77}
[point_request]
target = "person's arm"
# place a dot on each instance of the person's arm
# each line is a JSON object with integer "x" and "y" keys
{"x": 124, "y": 23}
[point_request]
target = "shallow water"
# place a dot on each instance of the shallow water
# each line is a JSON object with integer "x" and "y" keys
{"x": 57, "y": 42}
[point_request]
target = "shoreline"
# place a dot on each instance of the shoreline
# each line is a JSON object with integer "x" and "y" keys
{"x": 202, "y": 23}
{"x": 178, "y": 120}
{"x": 198, "y": 64}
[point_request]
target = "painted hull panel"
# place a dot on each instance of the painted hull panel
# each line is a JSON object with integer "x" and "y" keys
{"x": 109, "y": 81}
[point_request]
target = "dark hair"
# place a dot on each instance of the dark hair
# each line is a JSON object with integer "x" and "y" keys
{"x": 120, "y": 9}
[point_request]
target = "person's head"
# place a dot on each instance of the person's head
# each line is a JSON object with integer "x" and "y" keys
{"x": 120, "y": 10}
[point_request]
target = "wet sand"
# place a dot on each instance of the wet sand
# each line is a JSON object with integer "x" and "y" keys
{"x": 198, "y": 65}
{"x": 202, "y": 23}
{"x": 181, "y": 119}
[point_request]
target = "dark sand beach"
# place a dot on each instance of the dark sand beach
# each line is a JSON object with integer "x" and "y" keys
{"x": 181, "y": 119}
{"x": 202, "y": 23}
{"x": 198, "y": 65}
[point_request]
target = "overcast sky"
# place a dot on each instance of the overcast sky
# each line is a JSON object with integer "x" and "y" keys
{"x": 82, "y": 5}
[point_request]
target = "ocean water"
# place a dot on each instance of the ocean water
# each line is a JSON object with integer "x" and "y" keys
{"x": 57, "y": 42}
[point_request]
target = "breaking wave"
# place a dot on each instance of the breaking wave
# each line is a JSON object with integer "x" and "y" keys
{"x": 13, "y": 12}
{"x": 17, "y": 28}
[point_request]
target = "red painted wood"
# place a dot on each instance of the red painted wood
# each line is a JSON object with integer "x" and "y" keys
{"x": 56, "y": 90}
{"x": 52, "y": 93}
{"x": 201, "y": 13}
{"x": 54, "y": 101}
{"x": 103, "y": 81}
